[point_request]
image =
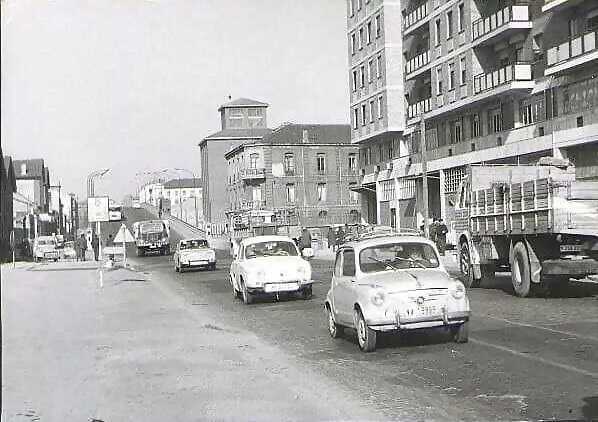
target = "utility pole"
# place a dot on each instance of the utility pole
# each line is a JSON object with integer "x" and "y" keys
{"x": 424, "y": 172}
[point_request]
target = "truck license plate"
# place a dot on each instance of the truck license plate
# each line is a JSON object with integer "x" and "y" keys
{"x": 571, "y": 248}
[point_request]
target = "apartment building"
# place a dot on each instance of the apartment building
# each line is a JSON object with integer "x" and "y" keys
{"x": 298, "y": 174}
{"x": 8, "y": 187}
{"x": 242, "y": 120}
{"x": 493, "y": 82}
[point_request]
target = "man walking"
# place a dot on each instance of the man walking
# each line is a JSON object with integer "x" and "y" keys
{"x": 331, "y": 238}
{"x": 441, "y": 231}
{"x": 95, "y": 244}
{"x": 340, "y": 237}
{"x": 82, "y": 246}
{"x": 305, "y": 241}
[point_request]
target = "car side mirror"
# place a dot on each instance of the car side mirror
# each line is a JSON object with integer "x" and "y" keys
{"x": 307, "y": 253}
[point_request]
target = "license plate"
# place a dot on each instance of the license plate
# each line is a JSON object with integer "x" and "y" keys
{"x": 280, "y": 287}
{"x": 571, "y": 248}
{"x": 51, "y": 254}
{"x": 427, "y": 310}
{"x": 199, "y": 262}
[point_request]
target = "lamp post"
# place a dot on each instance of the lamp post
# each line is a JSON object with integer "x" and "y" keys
{"x": 424, "y": 172}
{"x": 194, "y": 193}
{"x": 90, "y": 193}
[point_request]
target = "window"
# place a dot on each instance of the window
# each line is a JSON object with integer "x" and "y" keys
{"x": 362, "y": 70}
{"x": 351, "y": 7}
{"x": 355, "y": 117}
{"x": 461, "y": 17}
{"x": 372, "y": 111}
{"x": 256, "y": 193}
{"x": 495, "y": 121}
{"x": 457, "y": 131}
{"x": 361, "y": 38}
{"x": 253, "y": 160}
{"x": 380, "y": 99}
{"x": 363, "y": 115}
{"x": 354, "y": 80}
{"x": 359, "y": 4}
{"x": 451, "y": 76}
{"x": 380, "y": 153}
{"x": 438, "y": 80}
{"x": 353, "y": 43}
{"x": 290, "y": 192}
{"x": 321, "y": 192}
{"x": 352, "y": 164}
{"x": 387, "y": 190}
{"x": 348, "y": 263}
{"x": 527, "y": 117}
{"x": 23, "y": 169}
{"x": 368, "y": 152}
{"x": 475, "y": 125}
{"x": 379, "y": 66}
{"x": 463, "y": 68}
{"x": 254, "y": 113}
{"x": 353, "y": 196}
{"x": 390, "y": 147}
{"x": 369, "y": 32}
{"x": 449, "y": 25}
{"x": 437, "y": 32}
{"x": 289, "y": 163}
{"x": 378, "y": 27}
{"x": 321, "y": 163}
{"x": 370, "y": 70}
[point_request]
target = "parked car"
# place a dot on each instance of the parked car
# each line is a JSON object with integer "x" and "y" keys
{"x": 194, "y": 253}
{"x": 44, "y": 247}
{"x": 68, "y": 251}
{"x": 269, "y": 265}
{"x": 393, "y": 283}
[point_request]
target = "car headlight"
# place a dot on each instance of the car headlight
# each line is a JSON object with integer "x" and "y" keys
{"x": 458, "y": 290}
{"x": 378, "y": 297}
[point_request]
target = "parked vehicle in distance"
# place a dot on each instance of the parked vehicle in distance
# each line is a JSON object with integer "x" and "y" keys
{"x": 44, "y": 247}
{"x": 115, "y": 213}
{"x": 152, "y": 236}
{"x": 269, "y": 265}
{"x": 393, "y": 283}
{"x": 194, "y": 253}
{"x": 68, "y": 251}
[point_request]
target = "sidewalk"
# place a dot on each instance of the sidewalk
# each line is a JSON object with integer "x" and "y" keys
{"x": 133, "y": 350}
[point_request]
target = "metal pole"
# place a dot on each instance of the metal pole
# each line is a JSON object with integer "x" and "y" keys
{"x": 424, "y": 173}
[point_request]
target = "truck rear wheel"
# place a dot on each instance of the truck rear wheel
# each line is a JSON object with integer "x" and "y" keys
{"x": 466, "y": 268}
{"x": 520, "y": 271}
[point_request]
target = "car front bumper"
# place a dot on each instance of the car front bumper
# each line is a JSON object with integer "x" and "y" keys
{"x": 198, "y": 264}
{"x": 280, "y": 287}
{"x": 401, "y": 323}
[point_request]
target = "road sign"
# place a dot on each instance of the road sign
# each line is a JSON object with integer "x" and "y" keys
{"x": 97, "y": 209}
{"x": 123, "y": 235}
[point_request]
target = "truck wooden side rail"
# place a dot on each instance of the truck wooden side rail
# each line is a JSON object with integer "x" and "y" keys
{"x": 536, "y": 220}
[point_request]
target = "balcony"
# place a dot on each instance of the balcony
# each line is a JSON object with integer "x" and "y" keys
{"x": 415, "y": 16}
{"x": 512, "y": 73}
{"x": 417, "y": 62}
{"x": 500, "y": 24}
{"x": 414, "y": 110}
{"x": 558, "y": 5}
{"x": 253, "y": 205}
{"x": 252, "y": 173}
{"x": 574, "y": 52}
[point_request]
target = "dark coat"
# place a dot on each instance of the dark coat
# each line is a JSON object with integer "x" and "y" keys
{"x": 305, "y": 239}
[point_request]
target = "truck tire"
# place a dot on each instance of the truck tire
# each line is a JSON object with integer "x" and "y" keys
{"x": 466, "y": 268}
{"x": 520, "y": 271}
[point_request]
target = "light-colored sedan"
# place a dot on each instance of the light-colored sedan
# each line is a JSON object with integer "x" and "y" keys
{"x": 270, "y": 265}
{"x": 194, "y": 253}
{"x": 44, "y": 247}
{"x": 393, "y": 283}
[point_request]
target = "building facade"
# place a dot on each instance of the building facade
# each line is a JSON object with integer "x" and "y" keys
{"x": 185, "y": 197}
{"x": 8, "y": 188}
{"x": 242, "y": 120}
{"x": 298, "y": 174}
{"x": 492, "y": 82}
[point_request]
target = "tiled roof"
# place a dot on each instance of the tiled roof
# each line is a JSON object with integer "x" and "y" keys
{"x": 292, "y": 133}
{"x": 243, "y": 102}
{"x": 35, "y": 168}
{"x": 182, "y": 183}
{"x": 249, "y": 133}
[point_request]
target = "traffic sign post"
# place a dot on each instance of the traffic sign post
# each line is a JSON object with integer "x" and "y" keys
{"x": 124, "y": 236}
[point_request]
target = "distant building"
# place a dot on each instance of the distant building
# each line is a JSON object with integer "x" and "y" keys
{"x": 242, "y": 120}
{"x": 298, "y": 174}
{"x": 8, "y": 187}
{"x": 151, "y": 193}
{"x": 185, "y": 197}
{"x": 33, "y": 182}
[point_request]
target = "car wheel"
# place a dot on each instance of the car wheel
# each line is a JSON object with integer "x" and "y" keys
{"x": 334, "y": 329}
{"x": 520, "y": 271}
{"x": 247, "y": 296}
{"x": 176, "y": 267}
{"x": 365, "y": 335}
{"x": 232, "y": 288}
{"x": 212, "y": 267}
{"x": 461, "y": 333}
{"x": 466, "y": 268}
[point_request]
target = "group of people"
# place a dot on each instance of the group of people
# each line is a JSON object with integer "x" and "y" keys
{"x": 81, "y": 246}
{"x": 336, "y": 237}
{"x": 437, "y": 234}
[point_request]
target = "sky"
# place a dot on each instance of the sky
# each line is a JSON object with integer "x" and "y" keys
{"x": 134, "y": 85}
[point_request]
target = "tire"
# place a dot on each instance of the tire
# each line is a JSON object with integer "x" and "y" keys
{"x": 520, "y": 271}
{"x": 335, "y": 330}
{"x": 234, "y": 291}
{"x": 306, "y": 293}
{"x": 461, "y": 333}
{"x": 466, "y": 268}
{"x": 176, "y": 268}
{"x": 212, "y": 267}
{"x": 366, "y": 337}
{"x": 247, "y": 296}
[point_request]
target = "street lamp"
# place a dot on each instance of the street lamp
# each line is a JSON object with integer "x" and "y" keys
{"x": 90, "y": 180}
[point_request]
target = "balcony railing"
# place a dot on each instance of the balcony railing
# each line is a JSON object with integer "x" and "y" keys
{"x": 253, "y": 173}
{"x": 488, "y": 24}
{"x": 253, "y": 205}
{"x": 416, "y": 15}
{"x": 513, "y": 72}
{"x": 414, "y": 110}
{"x": 572, "y": 48}
{"x": 417, "y": 62}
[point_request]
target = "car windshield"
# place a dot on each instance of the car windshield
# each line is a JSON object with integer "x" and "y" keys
{"x": 46, "y": 242}
{"x": 272, "y": 248}
{"x": 397, "y": 256}
{"x": 194, "y": 244}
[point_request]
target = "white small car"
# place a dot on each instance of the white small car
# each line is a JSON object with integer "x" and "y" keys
{"x": 393, "y": 283}
{"x": 44, "y": 247}
{"x": 194, "y": 253}
{"x": 270, "y": 265}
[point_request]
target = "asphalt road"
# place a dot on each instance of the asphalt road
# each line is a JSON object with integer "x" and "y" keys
{"x": 527, "y": 359}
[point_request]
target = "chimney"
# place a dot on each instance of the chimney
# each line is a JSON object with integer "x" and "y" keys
{"x": 305, "y": 138}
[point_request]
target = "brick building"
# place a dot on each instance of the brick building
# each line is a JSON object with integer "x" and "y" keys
{"x": 493, "y": 82}
{"x": 298, "y": 174}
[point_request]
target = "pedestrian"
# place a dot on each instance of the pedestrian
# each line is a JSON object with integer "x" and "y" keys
{"x": 95, "y": 244}
{"x": 305, "y": 241}
{"x": 331, "y": 239}
{"x": 340, "y": 237}
{"x": 433, "y": 229}
{"x": 82, "y": 246}
{"x": 441, "y": 232}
